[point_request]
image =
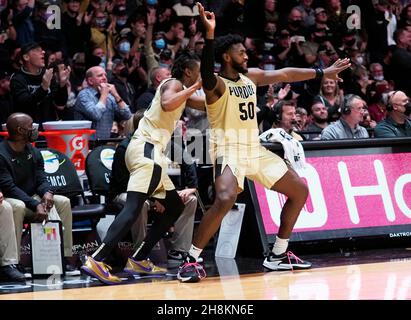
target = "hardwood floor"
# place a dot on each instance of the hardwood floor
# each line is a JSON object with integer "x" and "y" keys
{"x": 372, "y": 281}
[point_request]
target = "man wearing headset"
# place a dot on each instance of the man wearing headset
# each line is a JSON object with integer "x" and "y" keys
{"x": 284, "y": 116}
{"x": 347, "y": 127}
{"x": 397, "y": 123}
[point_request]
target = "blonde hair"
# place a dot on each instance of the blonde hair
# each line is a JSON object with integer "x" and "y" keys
{"x": 337, "y": 87}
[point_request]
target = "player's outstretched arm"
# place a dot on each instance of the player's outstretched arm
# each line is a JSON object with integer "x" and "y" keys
{"x": 263, "y": 78}
{"x": 213, "y": 86}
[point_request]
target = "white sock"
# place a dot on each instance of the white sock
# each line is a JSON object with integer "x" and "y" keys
{"x": 195, "y": 252}
{"x": 280, "y": 246}
{"x": 98, "y": 250}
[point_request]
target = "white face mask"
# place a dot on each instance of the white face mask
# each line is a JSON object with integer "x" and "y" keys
{"x": 359, "y": 60}
{"x": 379, "y": 78}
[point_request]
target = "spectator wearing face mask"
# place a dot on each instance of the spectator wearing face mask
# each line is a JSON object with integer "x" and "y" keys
{"x": 397, "y": 124}
{"x": 348, "y": 43}
{"x": 122, "y": 48}
{"x": 120, "y": 17}
{"x": 101, "y": 34}
{"x": 78, "y": 71}
{"x": 376, "y": 72}
{"x": 24, "y": 184}
{"x": 295, "y": 23}
{"x": 123, "y": 87}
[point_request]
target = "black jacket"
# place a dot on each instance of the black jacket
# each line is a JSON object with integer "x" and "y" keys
{"x": 37, "y": 183}
{"x": 30, "y": 98}
{"x": 126, "y": 92}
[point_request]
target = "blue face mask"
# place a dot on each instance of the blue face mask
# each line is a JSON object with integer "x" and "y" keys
{"x": 121, "y": 22}
{"x": 124, "y": 47}
{"x": 160, "y": 44}
{"x": 164, "y": 65}
{"x": 103, "y": 62}
{"x": 151, "y": 2}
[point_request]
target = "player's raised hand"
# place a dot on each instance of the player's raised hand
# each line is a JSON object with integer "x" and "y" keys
{"x": 207, "y": 18}
{"x": 338, "y": 66}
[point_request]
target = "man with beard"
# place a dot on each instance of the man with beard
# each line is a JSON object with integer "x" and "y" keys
{"x": 285, "y": 117}
{"x": 319, "y": 121}
{"x": 231, "y": 101}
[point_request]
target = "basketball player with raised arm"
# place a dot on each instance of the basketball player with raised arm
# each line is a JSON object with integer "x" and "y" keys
{"x": 231, "y": 102}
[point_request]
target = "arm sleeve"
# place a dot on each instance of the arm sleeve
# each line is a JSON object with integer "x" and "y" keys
{"x": 60, "y": 95}
{"x": 207, "y": 66}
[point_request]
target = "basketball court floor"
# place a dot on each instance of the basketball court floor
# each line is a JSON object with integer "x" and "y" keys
{"x": 366, "y": 274}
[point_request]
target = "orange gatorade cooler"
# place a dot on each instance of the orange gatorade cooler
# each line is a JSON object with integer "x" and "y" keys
{"x": 70, "y": 137}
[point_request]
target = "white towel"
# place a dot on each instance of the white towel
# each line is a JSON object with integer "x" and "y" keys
{"x": 293, "y": 149}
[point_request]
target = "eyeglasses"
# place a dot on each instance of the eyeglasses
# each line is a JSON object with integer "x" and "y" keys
{"x": 361, "y": 109}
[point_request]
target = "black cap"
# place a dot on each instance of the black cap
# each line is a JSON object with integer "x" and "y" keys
{"x": 166, "y": 54}
{"x": 29, "y": 46}
{"x": 43, "y": 3}
{"x": 120, "y": 11}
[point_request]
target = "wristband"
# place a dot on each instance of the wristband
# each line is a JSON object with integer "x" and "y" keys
{"x": 119, "y": 101}
{"x": 319, "y": 73}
